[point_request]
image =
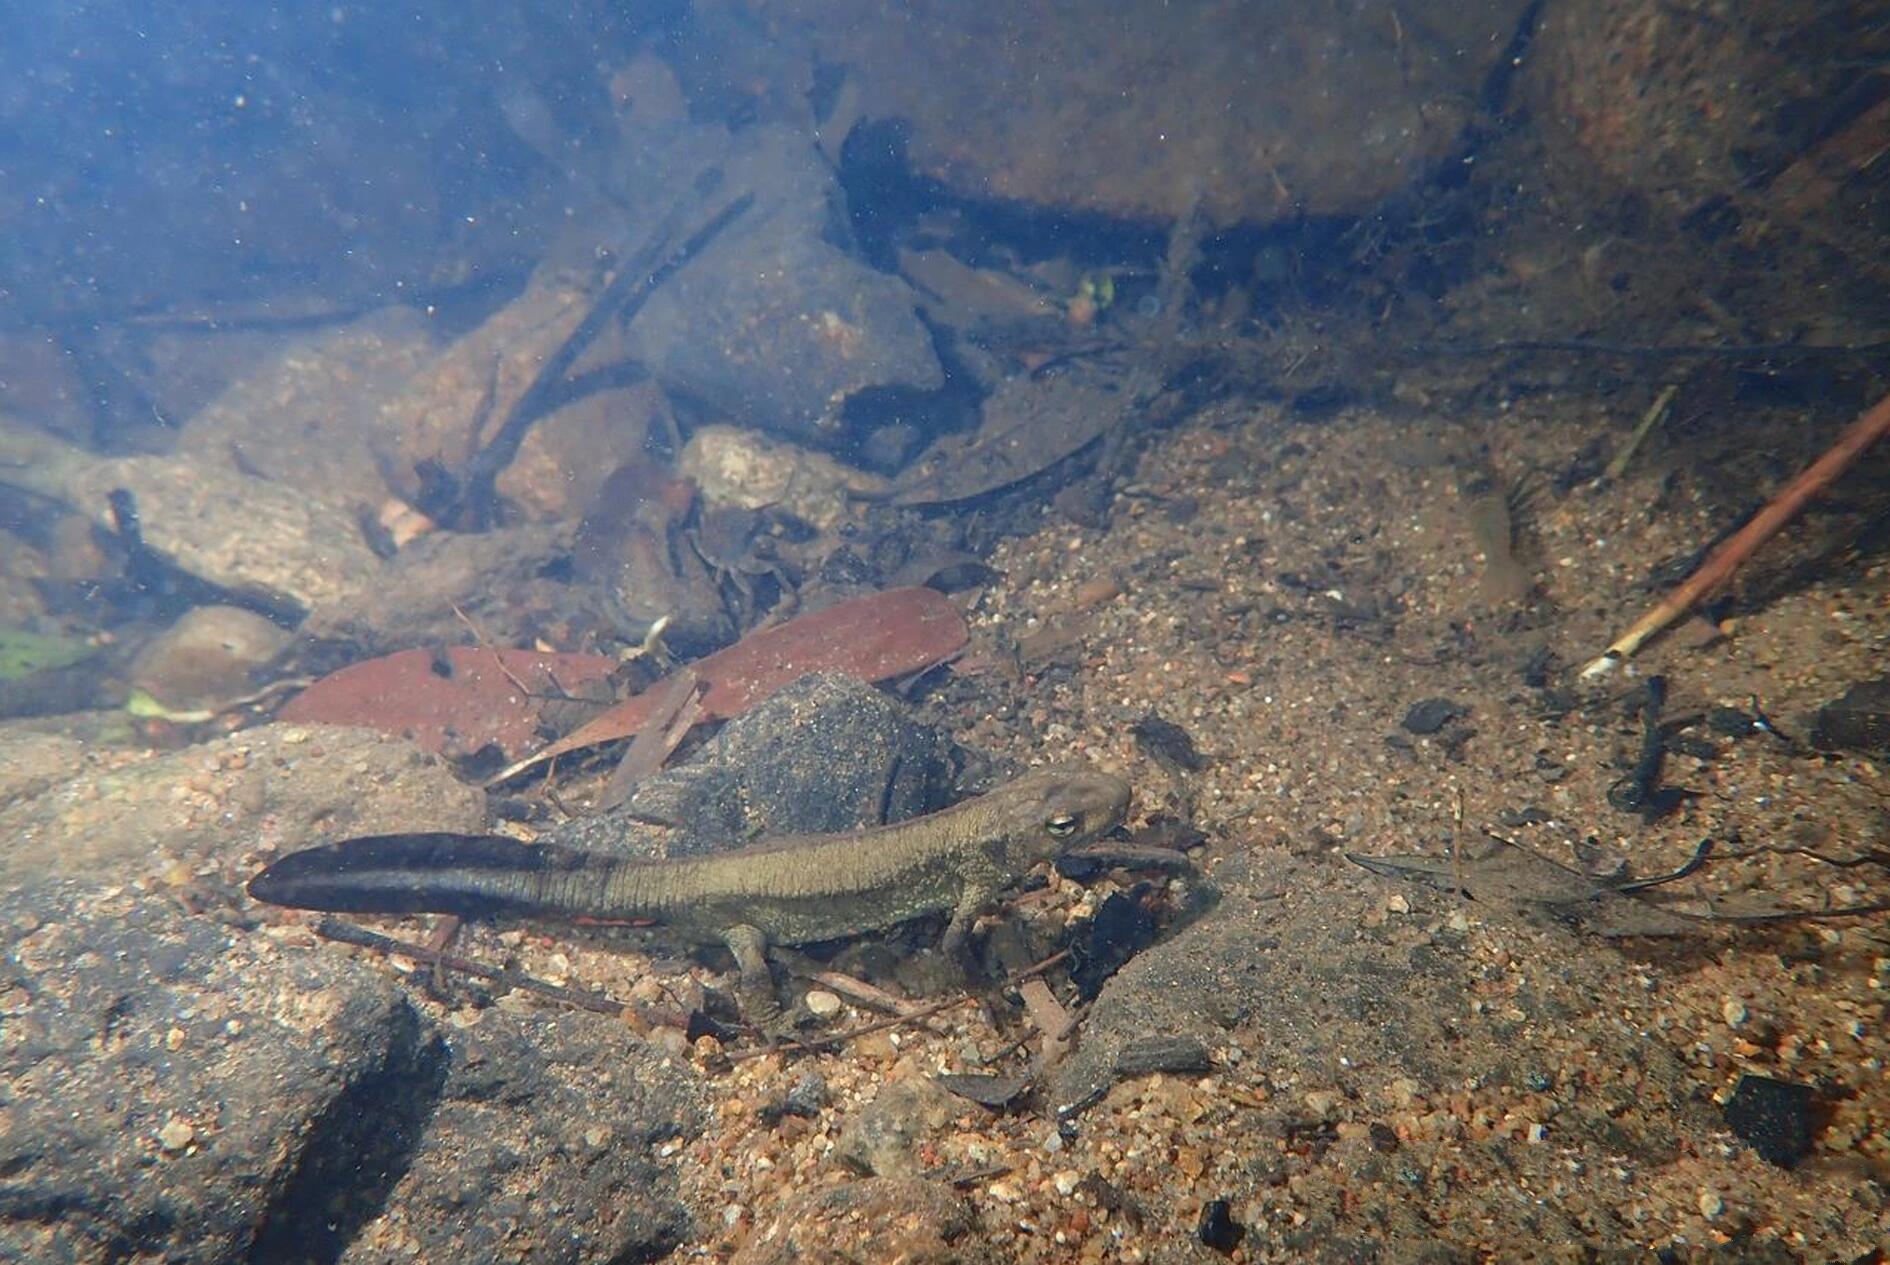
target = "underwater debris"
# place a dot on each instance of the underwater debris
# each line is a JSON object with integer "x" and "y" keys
{"x": 1640, "y": 791}
{"x": 870, "y": 638}
{"x": 1489, "y": 513}
{"x": 1167, "y": 743}
{"x": 1859, "y": 720}
{"x": 1030, "y": 423}
{"x": 1775, "y": 1118}
{"x": 1427, "y": 716}
{"x": 1742, "y": 544}
{"x": 638, "y": 278}
{"x": 454, "y": 700}
{"x": 1511, "y": 876}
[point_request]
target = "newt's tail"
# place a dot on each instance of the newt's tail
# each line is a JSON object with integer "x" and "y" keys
{"x": 473, "y": 876}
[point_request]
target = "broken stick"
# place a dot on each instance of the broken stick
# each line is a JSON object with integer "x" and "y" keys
{"x": 1735, "y": 549}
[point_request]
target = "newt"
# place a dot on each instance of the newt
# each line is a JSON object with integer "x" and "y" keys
{"x": 797, "y": 889}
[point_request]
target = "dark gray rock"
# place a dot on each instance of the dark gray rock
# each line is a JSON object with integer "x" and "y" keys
{"x": 433, "y": 586}
{"x": 167, "y": 1084}
{"x": 1775, "y": 1118}
{"x": 541, "y": 1147}
{"x": 775, "y": 325}
{"x": 273, "y": 543}
{"x": 289, "y": 786}
{"x": 172, "y": 1091}
{"x": 883, "y": 1137}
{"x": 1134, "y": 112}
{"x": 1859, "y": 720}
{"x": 828, "y": 753}
{"x": 1288, "y": 965}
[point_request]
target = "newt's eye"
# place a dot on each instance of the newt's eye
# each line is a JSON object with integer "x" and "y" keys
{"x": 1062, "y": 826}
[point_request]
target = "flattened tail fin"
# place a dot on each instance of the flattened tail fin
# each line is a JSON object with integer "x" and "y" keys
{"x": 473, "y": 876}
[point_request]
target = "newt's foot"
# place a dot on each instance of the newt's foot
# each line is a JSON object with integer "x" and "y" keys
{"x": 763, "y": 1011}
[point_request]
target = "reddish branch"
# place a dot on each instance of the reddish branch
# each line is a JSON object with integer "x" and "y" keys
{"x": 1735, "y": 549}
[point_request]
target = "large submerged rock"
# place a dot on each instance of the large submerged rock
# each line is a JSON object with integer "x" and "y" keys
{"x": 1248, "y": 112}
{"x": 177, "y": 1092}
{"x": 777, "y": 324}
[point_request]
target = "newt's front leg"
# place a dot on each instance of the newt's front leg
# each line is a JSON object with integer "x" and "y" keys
{"x": 972, "y": 901}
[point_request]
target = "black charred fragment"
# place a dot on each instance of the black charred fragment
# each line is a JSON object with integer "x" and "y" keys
{"x": 476, "y": 766}
{"x": 1122, "y": 928}
{"x": 1217, "y": 1228}
{"x": 1858, "y": 721}
{"x": 1176, "y": 1053}
{"x": 1166, "y": 743}
{"x": 1775, "y": 1118}
{"x": 1538, "y": 669}
{"x": 1429, "y": 715}
{"x": 994, "y": 1092}
{"x": 1641, "y": 791}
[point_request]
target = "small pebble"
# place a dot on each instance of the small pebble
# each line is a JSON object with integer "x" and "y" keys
{"x": 808, "y": 1095}
{"x": 671, "y": 1041}
{"x": 1733, "y": 1011}
{"x": 1711, "y": 1205}
{"x": 822, "y": 1004}
{"x": 1431, "y": 715}
{"x": 1095, "y": 592}
{"x": 176, "y": 1133}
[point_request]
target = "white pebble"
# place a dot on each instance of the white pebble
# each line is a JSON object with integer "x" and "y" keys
{"x": 1734, "y": 1012}
{"x": 822, "y": 1004}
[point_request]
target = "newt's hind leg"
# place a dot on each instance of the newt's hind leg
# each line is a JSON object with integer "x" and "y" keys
{"x": 760, "y": 1006}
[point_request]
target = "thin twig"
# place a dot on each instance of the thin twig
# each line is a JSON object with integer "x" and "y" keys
{"x": 1872, "y": 856}
{"x": 814, "y": 1044}
{"x": 861, "y": 993}
{"x": 479, "y": 638}
{"x": 1456, "y": 849}
{"x": 1655, "y": 351}
{"x": 349, "y": 933}
{"x": 677, "y": 707}
{"x": 1655, "y": 411}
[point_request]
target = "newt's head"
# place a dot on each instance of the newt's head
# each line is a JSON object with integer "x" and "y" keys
{"x": 1059, "y": 809}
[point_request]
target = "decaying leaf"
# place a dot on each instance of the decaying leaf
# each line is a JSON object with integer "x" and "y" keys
{"x": 677, "y": 707}
{"x": 453, "y": 701}
{"x": 874, "y": 638}
{"x": 1513, "y": 877}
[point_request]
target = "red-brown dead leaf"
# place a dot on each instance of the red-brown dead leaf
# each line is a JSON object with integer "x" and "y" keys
{"x": 873, "y": 638}
{"x": 453, "y": 701}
